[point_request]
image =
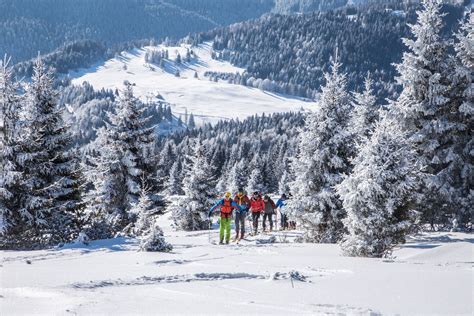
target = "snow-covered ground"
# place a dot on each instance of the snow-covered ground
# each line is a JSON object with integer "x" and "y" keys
{"x": 432, "y": 274}
{"x": 208, "y": 101}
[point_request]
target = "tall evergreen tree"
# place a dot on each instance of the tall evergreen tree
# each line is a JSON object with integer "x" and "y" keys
{"x": 191, "y": 122}
{"x": 125, "y": 159}
{"x": 52, "y": 197}
{"x": 457, "y": 179}
{"x": 173, "y": 185}
{"x": 323, "y": 158}
{"x": 423, "y": 107}
{"x": 199, "y": 190}
{"x": 377, "y": 195}
{"x": 364, "y": 113}
{"x": 237, "y": 177}
{"x": 10, "y": 170}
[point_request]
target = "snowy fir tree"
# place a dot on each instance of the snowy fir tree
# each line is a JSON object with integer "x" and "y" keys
{"x": 428, "y": 113}
{"x": 237, "y": 177}
{"x": 173, "y": 185}
{"x": 364, "y": 113}
{"x": 457, "y": 179}
{"x": 125, "y": 159}
{"x": 255, "y": 181}
{"x": 167, "y": 157}
{"x": 378, "y": 195}
{"x": 51, "y": 183}
{"x": 191, "y": 122}
{"x": 154, "y": 240}
{"x": 10, "y": 172}
{"x": 323, "y": 158}
{"x": 284, "y": 183}
{"x": 199, "y": 190}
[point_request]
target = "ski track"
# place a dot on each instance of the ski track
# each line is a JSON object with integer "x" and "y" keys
{"x": 146, "y": 280}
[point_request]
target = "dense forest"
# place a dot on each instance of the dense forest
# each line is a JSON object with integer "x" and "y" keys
{"x": 292, "y": 51}
{"x": 31, "y": 26}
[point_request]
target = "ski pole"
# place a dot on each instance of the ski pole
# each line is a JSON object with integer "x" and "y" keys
{"x": 209, "y": 230}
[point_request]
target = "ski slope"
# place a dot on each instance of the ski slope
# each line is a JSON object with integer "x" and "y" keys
{"x": 432, "y": 274}
{"x": 208, "y": 101}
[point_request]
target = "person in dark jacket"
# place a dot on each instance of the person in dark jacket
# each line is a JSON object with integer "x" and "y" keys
{"x": 269, "y": 210}
{"x": 243, "y": 200}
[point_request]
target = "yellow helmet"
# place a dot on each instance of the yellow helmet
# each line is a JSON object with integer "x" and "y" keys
{"x": 227, "y": 194}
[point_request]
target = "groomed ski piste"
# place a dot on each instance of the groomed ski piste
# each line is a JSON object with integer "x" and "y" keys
{"x": 266, "y": 274}
{"x": 209, "y": 101}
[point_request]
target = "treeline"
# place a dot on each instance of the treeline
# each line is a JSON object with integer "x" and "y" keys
{"x": 29, "y": 26}
{"x": 290, "y": 52}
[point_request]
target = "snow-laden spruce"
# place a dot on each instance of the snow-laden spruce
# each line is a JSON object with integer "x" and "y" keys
{"x": 458, "y": 177}
{"x": 255, "y": 181}
{"x": 364, "y": 113}
{"x": 191, "y": 212}
{"x": 145, "y": 228}
{"x": 125, "y": 160}
{"x": 10, "y": 170}
{"x": 173, "y": 184}
{"x": 323, "y": 158}
{"x": 378, "y": 195}
{"x": 428, "y": 109}
{"x": 237, "y": 177}
{"x": 52, "y": 197}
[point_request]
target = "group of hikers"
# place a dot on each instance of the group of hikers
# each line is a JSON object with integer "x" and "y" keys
{"x": 240, "y": 206}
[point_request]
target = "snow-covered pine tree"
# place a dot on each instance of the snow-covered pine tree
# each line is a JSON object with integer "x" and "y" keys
{"x": 173, "y": 185}
{"x": 125, "y": 159}
{"x": 237, "y": 177}
{"x": 191, "y": 122}
{"x": 191, "y": 213}
{"x": 364, "y": 113}
{"x": 10, "y": 170}
{"x": 423, "y": 108}
{"x": 154, "y": 240}
{"x": 378, "y": 195}
{"x": 284, "y": 183}
{"x": 458, "y": 177}
{"x": 323, "y": 158}
{"x": 144, "y": 212}
{"x": 52, "y": 196}
{"x": 146, "y": 229}
{"x": 167, "y": 157}
{"x": 255, "y": 180}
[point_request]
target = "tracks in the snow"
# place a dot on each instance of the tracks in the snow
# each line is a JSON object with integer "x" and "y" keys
{"x": 185, "y": 278}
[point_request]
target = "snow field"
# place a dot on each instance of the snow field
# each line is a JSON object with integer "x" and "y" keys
{"x": 208, "y": 101}
{"x": 432, "y": 274}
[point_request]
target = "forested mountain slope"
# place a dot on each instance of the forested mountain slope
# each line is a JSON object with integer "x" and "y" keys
{"x": 29, "y": 26}
{"x": 293, "y": 51}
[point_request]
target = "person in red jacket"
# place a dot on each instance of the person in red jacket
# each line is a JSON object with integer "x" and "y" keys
{"x": 256, "y": 207}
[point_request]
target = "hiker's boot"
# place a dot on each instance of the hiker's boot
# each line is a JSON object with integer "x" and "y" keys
{"x": 227, "y": 242}
{"x": 221, "y": 242}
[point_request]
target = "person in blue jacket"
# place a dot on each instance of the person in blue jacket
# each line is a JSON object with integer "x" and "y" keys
{"x": 280, "y": 205}
{"x": 226, "y": 205}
